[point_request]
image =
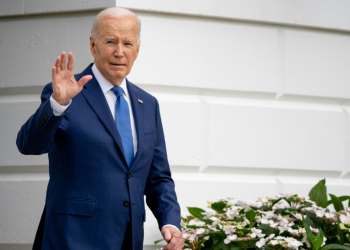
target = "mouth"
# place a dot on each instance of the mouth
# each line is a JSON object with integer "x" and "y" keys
{"x": 117, "y": 64}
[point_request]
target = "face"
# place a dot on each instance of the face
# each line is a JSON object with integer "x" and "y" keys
{"x": 116, "y": 48}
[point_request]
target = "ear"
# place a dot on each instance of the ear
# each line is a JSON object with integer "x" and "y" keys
{"x": 92, "y": 46}
{"x": 138, "y": 49}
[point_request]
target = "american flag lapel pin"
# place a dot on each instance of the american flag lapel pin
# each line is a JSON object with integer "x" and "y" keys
{"x": 140, "y": 101}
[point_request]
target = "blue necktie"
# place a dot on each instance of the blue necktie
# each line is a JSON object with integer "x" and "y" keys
{"x": 122, "y": 117}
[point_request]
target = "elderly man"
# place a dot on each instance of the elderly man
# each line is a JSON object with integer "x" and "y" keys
{"x": 106, "y": 148}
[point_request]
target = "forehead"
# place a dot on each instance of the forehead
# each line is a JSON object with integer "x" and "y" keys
{"x": 121, "y": 26}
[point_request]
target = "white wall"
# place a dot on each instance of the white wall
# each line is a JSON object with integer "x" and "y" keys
{"x": 254, "y": 95}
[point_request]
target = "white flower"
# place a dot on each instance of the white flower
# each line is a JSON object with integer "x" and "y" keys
{"x": 273, "y": 224}
{"x": 293, "y": 231}
{"x": 256, "y": 232}
{"x": 263, "y": 200}
{"x": 298, "y": 216}
{"x": 304, "y": 240}
{"x": 230, "y": 238}
{"x": 213, "y": 218}
{"x": 189, "y": 236}
{"x": 264, "y": 221}
{"x": 269, "y": 214}
{"x": 283, "y": 227}
{"x": 293, "y": 243}
{"x": 324, "y": 241}
{"x": 229, "y": 229}
{"x": 213, "y": 227}
{"x": 281, "y": 205}
{"x": 232, "y": 212}
{"x": 315, "y": 230}
{"x": 320, "y": 213}
{"x": 197, "y": 222}
{"x": 245, "y": 222}
{"x": 208, "y": 214}
{"x": 344, "y": 219}
{"x": 260, "y": 243}
{"x": 200, "y": 231}
{"x": 274, "y": 242}
{"x": 245, "y": 205}
{"x": 329, "y": 215}
{"x": 271, "y": 236}
{"x": 281, "y": 219}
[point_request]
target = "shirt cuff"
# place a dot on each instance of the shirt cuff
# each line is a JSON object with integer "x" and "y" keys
{"x": 57, "y": 108}
{"x": 171, "y": 226}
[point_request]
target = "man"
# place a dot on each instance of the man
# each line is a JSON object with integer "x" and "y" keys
{"x": 106, "y": 148}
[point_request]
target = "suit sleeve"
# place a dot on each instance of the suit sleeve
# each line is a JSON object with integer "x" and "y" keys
{"x": 37, "y": 134}
{"x": 160, "y": 189}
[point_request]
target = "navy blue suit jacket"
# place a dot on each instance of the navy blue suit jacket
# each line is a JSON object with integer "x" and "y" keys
{"x": 91, "y": 190}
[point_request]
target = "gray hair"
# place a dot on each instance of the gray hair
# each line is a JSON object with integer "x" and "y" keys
{"x": 114, "y": 12}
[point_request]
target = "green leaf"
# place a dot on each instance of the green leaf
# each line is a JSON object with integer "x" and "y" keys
{"x": 196, "y": 212}
{"x": 340, "y": 233}
{"x": 193, "y": 226}
{"x": 250, "y": 215}
{"x": 318, "y": 194}
{"x": 342, "y": 198}
{"x": 219, "y": 246}
{"x": 309, "y": 234}
{"x": 335, "y": 246}
{"x": 312, "y": 219}
{"x": 235, "y": 248}
{"x": 218, "y": 206}
{"x": 318, "y": 240}
{"x": 338, "y": 205}
{"x": 265, "y": 229}
{"x": 276, "y": 201}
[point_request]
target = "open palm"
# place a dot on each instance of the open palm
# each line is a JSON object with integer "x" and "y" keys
{"x": 64, "y": 85}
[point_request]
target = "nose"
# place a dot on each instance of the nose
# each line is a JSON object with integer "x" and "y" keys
{"x": 118, "y": 51}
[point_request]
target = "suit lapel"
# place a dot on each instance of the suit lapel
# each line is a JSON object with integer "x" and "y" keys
{"x": 138, "y": 117}
{"x": 97, "y": 101}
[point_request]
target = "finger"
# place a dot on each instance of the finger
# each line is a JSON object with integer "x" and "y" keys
{"x": 178, "y": 243}
{"x": 174, "y": 244}
{"x": 53, "y": 72}
{"x": 84, "y": 80}
{"x": 58, "y": 64}
{"x": 63, "y": 60}
{"x": 70, "y": 64}
{"x": 180, "y": 240}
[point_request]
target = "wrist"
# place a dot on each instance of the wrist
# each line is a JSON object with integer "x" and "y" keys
{"x": 62, "y": 102}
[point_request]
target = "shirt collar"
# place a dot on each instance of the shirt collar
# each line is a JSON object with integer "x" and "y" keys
{"x": 105, "y": 84}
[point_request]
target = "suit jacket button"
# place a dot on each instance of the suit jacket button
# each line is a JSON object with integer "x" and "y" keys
{"x": 129, "y": 175}
{"x": 126, "y": 203}
{"x": 42, "y": 122}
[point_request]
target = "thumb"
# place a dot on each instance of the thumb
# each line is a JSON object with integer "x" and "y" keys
{"x": 84, "y": 80}
{"x": 166, "y": 234}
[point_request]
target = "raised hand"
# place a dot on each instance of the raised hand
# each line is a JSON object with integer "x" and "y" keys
{"x": 64, "y": 85}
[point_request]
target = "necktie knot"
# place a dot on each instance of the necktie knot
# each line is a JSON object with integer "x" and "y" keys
{"x": 118, "y": 91}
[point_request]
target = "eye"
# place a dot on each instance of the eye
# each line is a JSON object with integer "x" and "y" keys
{"x": 110, "y": 42}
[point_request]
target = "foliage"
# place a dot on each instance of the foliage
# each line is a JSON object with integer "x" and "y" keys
{"x": 283, "y": 222}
